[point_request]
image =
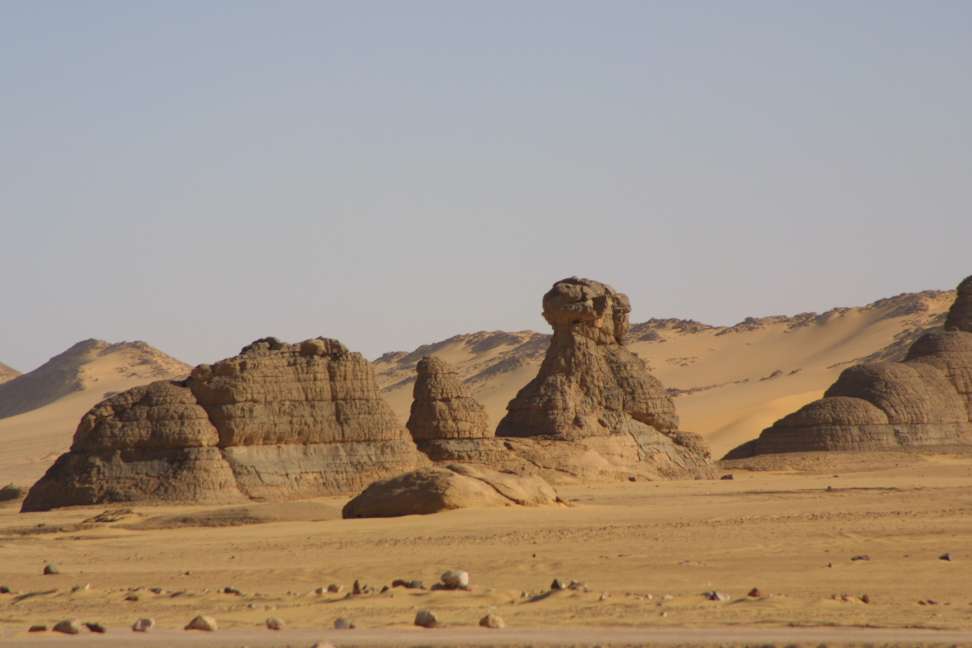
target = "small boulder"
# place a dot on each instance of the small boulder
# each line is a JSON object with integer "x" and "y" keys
{"x": 408, "y": 584}
{"x": 51, "y": 569}
{"x": 96, "y": 628}
{"x": 755, "y": 593}
{"x": 334, "y": 588}
{"x": 143, "y": 625}
{"x": 558, "y": 584}
{"x": 727, "y": 477}
{"x": 232, "y": 590}
{"x": 945, "y": 556}
{"x": 132, "y": 596}
{"x": 426, "y": 619}
{"x": 717, "y": 596}
{"x": 492, "y": 621}
{"x": 4, "y": 589}
{"x": 343, "y": 624}
{"x": 273, "y": 623}
{"x": 865, "y": 598}
{"x": 860, "y": 557}
{"x": 455, "y": 579}
{"x": 37, "y": 628}
{"x": 322, "y": 644}
{"x": 68, "y": 626}
{"x": 204, "y": 623}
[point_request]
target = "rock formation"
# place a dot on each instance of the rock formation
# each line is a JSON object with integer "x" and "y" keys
{"x": 445, "y": 421}
{"x": 922, "y": 402}
{"x": 431, "y": 490}
{"x": 594, "y": 392}
{"x": 279, "y": 420}
{"x": 7, "y": 373}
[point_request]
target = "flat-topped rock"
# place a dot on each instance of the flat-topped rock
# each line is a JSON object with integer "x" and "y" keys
{"x": 276, "y": 421}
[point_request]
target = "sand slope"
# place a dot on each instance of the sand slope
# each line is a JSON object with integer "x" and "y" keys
{"x": 7, "y": 373}
{"x": 729, "y": 382}
{"x": 39, "y": 410}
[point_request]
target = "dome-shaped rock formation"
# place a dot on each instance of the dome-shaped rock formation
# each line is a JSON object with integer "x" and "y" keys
{"x": 593, "y": 391}
{"x": 924, "y": 401}
{"x": 445, "y": 421}
{"x": 454, "y": 486}
{"x": 279, "y": 420}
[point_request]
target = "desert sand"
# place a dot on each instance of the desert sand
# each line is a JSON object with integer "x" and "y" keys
{"x": 646, "y": 551}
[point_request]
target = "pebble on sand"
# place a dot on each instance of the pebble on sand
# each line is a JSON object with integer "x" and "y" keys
{"x": 143, "y": 625}
{"x": 343, "y": 624}
{"x": 96, "y": 627}
{"x": 37, "y": 628}
{"x": 492, "y": 621}
{"x": 426, "y": 619}
{"x": 202, "y": 622}
{"x": 51, "y": 569}
{"x": 68, "y": 626}
{"x": 945, "y": 556}
{"x": 273, "y": 623}
{"x": 755, "y": 593}
{"x": 455, "y": 579}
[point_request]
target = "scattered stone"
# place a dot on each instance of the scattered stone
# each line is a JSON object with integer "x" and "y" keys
{"x": 455, "y": 579}
{"x": 727, "y": 477}
{"x": 68, "y": 626}
{"x": 717, "y": 596}
{"x": 384, "y": 588}
{"x": 632, "y": 478}
{"x": 334, "y": 588}
{"x": 865, "y": 598}
{"x": 132, "y": 597}
{"x": 143, "y": 625}
{"x": 323, "y": 644}
{"x": 577, "y": 585}
{"x": 4, "y": 589}
{"x": 755, "y": 593}
{"x": 273, "y": 623}
{"x": 81, "y": 588}
{"x": 37, "y": 628}
{"x": 830, "y": 565}
{"x": 426, "y": 619}
{"x": 860, "y": 557}
{"x": 232, "y": 590}
{"x": 343, "y": 624}
{"x": 357, "y": 589}
{"x": 558, "y": 584}
{"x": 156, "y": 590}
{"x": 96, "y": 628}
{"x": 945, "y": 556}
{"x": 408, "y": 584}
{"x": 492, "y": 621}
{"x": 51, "y": 570}
{"x": 603, "y": 597}
{"x": 202, "y": 622}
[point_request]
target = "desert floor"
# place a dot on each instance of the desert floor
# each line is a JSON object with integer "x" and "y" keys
{"x": 646, "y": 550}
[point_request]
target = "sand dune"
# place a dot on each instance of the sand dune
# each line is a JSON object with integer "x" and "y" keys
{"x": 7, "y": 373}
{"x": 39, "y": 410}
{"x": 729, "y": 382}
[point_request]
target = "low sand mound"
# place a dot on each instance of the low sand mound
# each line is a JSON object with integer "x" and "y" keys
{"x": 455, "y": 486}
{"x": 924, "y": 402}
{"x": 85, "y": 366}
{"x": 277, "y": 421}
{"x": 7, "y": 373}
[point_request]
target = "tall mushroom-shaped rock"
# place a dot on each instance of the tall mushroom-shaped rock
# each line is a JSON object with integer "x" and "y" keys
{"x": 276, "y": 421}
{"x": 923, "y": 402}
{"x": 591, "y": 388}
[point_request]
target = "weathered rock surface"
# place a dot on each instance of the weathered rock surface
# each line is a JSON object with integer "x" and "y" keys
{"x": 442, "y": 407}
{"x": 435, "y": 489}
{"x": 594, "y": 392}
{"x": 277, "y": 421}
{"x": 924, "y": 401}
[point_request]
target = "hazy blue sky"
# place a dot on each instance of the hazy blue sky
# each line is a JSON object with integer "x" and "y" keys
{"x": 199, "y": 174}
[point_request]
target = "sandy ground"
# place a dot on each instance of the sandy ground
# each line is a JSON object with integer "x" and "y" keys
{"x": 646, "y": 550}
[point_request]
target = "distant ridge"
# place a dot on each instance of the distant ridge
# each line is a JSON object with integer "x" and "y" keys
{"x": 7, "y": 373}
{"x": 730, "y": 380}
{"x": 82, "y": 367}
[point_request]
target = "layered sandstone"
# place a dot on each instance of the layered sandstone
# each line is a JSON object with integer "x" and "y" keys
{"x": 455, "y": 486}
{"x": 278, "y": 420}
{"x": 445, "y": 421}
{"x": 595, "y": 394}
{"x": 925, "y": 401}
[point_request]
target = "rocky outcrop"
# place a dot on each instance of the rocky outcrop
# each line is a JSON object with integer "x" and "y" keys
{"x": 455, "y": 486}
{"x": 7, "y": 373}
{"x": 445, "y": 421}
{"x": 923, "y": 402}
{"x": 279, "y": 420}
{"x": 595, "y": 393}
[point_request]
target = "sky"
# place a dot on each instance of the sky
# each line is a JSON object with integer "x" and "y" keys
{"x": 201, "y": 174}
